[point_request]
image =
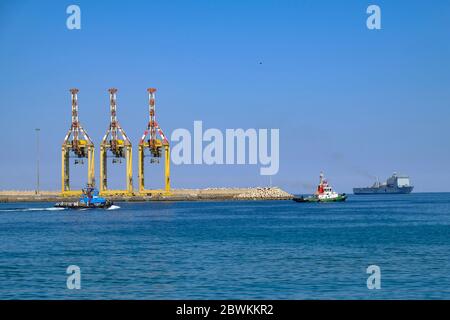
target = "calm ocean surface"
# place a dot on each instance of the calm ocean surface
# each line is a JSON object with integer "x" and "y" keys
{"x": 225, "y": 250}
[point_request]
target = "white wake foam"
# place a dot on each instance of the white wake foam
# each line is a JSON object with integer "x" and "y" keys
{"x": 31, "y": 209}
{"x": 46, "y": 209}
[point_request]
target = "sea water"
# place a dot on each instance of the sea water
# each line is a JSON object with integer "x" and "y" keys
{"x": 230, "y": 250}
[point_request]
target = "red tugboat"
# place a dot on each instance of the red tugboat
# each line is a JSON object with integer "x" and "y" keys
{"x": 324, "y": 193}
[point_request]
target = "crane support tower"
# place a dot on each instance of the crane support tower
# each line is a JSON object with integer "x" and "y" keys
{"x": 78, "y": 144}
{"x": 116, "y": 141}
{"x": 154, "y": 140}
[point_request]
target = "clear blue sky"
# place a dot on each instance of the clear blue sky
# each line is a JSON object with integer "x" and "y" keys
{"x": 350, "y": 101}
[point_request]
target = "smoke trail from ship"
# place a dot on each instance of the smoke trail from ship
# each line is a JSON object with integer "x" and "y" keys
{"x": 339, "y": 157}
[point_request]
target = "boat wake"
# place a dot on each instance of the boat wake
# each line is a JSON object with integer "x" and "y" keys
{"x": 113, "y": 207}
{"x": 31, "y": 209}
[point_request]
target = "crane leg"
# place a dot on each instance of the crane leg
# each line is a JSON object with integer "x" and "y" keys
{"x": 167, "y": 168}
{"x": 65, "y": 170}
{"x": 103, "y": 170}
{"x": 91, "y": 164}
{"x": 129, "y": 160}
{"x": 141, "y": 168}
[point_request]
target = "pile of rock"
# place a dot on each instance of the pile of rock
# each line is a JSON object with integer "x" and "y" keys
{"x": 264, "y": 193}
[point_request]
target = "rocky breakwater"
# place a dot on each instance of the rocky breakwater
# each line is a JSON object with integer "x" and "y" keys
{"x": 264, "y": 193}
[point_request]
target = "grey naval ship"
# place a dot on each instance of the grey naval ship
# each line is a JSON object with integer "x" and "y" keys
{"x": 394, "y": 184}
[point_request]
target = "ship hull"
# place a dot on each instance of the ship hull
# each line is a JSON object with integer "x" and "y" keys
{"x": 339, "y": 198}
{"x": 82, "y": 205}
{"x": 383, "y": 190}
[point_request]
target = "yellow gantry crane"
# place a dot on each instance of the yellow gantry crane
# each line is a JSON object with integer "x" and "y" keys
{"x": 80, "y": 145}
{"x": 154, "y": 144}
{"x": 117, "y": 142}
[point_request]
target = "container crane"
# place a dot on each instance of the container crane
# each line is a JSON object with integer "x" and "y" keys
{"x": 78, "y": 144}
{"x": 117, "y": 142}
{"x": 154, "y": 140}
